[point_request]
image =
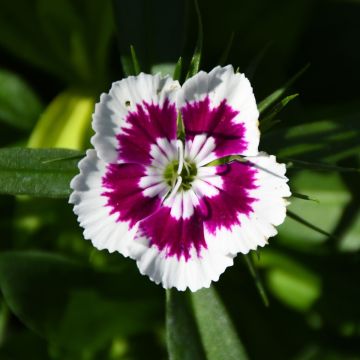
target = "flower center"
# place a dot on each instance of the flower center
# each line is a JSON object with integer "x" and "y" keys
{"x": 188, "y": 174}
{"x": 180, "y": 173}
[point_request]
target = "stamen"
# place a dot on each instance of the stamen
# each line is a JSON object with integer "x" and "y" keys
{"x": 175, "y": 188}
{"x": 180, "y": 148}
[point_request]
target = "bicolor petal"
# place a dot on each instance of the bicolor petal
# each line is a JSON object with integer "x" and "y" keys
{"x": 251, "y": 203}
{"x": 137, "y": 112}
{"x": 220, "y": 114}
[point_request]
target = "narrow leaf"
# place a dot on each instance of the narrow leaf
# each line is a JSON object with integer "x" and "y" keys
{"x": 178, "y": 69}
{"x": 217, "y": 333}
{"x": 252, "y": 67}
{"x": 303, "y": 197}
{"x": 136, "y": 65}
{"x": 182, "y": 337}
{"x": 33, "y": 171}
{"x": 276, "y": 95}
{"x": 195, "y": 61}
{"x": 258, "y": 282}
{"x": 224, "y": 56}
{"x": 294, "y": 163}
{"x": 268, "y": 121}
{"x": 306, "y": 223}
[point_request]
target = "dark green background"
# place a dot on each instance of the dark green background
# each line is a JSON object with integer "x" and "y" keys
{"x": 69, "y": 301}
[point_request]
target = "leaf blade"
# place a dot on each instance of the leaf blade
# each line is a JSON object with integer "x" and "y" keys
{"x": 182, "y": 338}
{"x": 31, "y": 171}
{"x": 220, "y": 340}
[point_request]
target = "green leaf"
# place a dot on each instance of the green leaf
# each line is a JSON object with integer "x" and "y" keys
{"x": 32, "y": 171}
{"x": 330, "y": 133}
{"x": 224, "y": 56}
{"x": 306, "y": 223}
{"x": 276, "y": 95}
{"x": 65, "y": 123}
{"x": 178, "y": 69}
{"x": 294, "y": 163}
{"x": 183, "y": 340}
{"x": 269, "y": 121}
{"x": 19, "y": 105}
{"x": 290, "y": 281}
{"x": 218, "y": 335}
{"x": 336, "y": 212}
{"x": 258, "y": 282}
{"x": 303, "y": 196}
{"x": 135, "y": 61}
{"x": 73, "y": 305}
{"x": 196, "y": 58}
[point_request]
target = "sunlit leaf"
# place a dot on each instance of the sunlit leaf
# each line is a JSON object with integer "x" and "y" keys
{"x": 335, "y": 212}
{"x": 218, "y": 335}
{"x": 330, "y": 133}
{"x": 31, "y": 171}
{"x": 65, "y": 123}
{"x": 290, "y": 281}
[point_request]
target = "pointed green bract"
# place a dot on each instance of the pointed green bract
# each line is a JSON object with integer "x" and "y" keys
{"x": 135, "y": 61}
{"x": 218, "y": 335}
{"x": 178, "y": 69}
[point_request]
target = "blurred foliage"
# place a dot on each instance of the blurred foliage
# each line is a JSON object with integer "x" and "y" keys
{"x": 62, "y": 299}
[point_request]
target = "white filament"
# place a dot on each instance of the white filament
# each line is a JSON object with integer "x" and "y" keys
{"x": 180, "y": 148}
{"x": 175, "y": 188}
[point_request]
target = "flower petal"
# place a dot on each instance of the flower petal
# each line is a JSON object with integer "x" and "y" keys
{"x": 221, "y": 105}
{"x": 109, "y": 202}
{"x": 242, "y": 217}
{"x": 170, "y": 247}
{"x": 137, "y": 112}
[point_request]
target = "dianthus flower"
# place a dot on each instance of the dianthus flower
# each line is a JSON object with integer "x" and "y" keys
{"x": 159, "y": 195}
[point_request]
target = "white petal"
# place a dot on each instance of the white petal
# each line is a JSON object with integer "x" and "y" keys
{"x": 223, "y": 84}
{"x": 268, "y": 211}
{"x": 194, "y": 273}
{"x": 102, "y": 228}
{"x": 124, "y": 96}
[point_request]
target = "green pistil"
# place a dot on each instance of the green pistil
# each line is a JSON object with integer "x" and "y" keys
{"x": 188, "y": 174}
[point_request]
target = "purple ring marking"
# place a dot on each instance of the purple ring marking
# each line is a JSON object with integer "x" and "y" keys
{"x": 217, "y": 122}
{"x": 147, "y": 123}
